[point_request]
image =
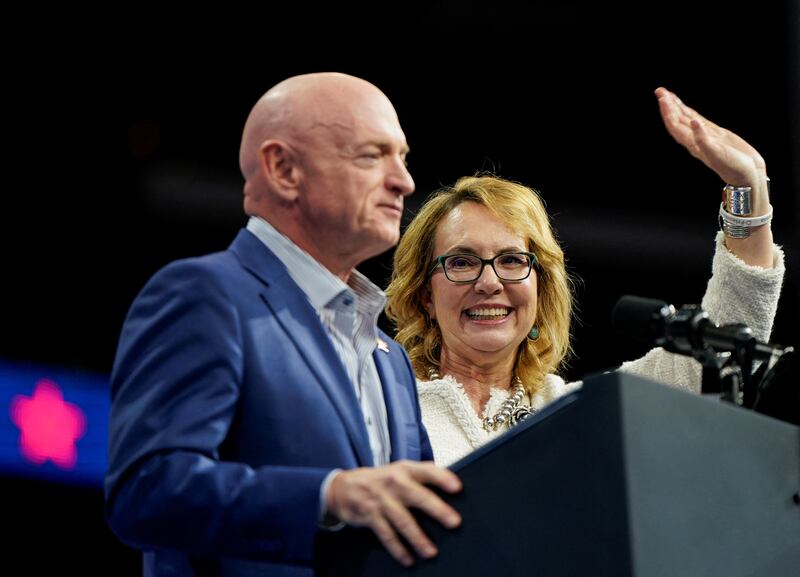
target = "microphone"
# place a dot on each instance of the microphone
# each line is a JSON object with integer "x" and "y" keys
{"x": 727, "y": 354}
{"x": 686, "y": 330}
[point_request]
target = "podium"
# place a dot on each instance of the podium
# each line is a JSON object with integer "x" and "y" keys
{"x": 625, "y": 477}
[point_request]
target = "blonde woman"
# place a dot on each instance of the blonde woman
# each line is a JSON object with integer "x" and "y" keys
{"x": 482, "y": 301}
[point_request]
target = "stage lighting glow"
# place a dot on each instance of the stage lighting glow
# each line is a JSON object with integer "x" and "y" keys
{"x": 54, "y": 424}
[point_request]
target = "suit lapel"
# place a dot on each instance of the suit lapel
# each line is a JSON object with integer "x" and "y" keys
{"x": 391, "y": 395}
{"x": 303, "y": 327}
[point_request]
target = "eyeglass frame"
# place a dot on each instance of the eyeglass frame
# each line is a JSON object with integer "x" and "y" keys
{"x": 534, "y": 262}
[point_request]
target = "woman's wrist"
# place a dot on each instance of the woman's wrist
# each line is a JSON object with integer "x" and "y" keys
{"x": 744, "y": 209}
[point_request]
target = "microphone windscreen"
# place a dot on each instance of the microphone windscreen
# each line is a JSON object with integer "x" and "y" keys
{"x": 638, "y": 318}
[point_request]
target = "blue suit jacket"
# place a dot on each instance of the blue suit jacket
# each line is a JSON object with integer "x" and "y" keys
{"x": 229, "y": 408}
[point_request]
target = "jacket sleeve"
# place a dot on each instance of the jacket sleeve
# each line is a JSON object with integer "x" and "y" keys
{"x": 175, "y": 386}
{"x": 736, "y": 293}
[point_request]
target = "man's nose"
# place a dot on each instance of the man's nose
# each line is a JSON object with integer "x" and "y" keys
{"x": 399, "y": 178}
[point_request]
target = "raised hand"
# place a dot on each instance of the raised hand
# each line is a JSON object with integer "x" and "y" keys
{"x": 734, "y": 161}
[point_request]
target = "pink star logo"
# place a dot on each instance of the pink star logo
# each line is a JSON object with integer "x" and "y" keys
{"x": 49, "y": 426}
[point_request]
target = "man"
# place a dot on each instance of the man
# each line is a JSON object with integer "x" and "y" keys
{"x": 254, "y": 400}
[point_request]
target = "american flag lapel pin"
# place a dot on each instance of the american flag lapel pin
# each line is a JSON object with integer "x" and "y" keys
{"x": 383, "y": 345}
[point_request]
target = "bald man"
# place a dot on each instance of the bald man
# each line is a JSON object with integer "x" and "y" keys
{"x": 254, "y": 400}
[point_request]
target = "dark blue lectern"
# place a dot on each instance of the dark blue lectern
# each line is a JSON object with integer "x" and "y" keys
{"x": 626, "y": 477}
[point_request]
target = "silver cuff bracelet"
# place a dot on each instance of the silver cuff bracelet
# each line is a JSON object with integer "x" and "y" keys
{"x": 737, "y": 200}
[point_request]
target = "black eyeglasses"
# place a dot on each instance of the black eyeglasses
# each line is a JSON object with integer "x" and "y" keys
{"x": 464, "y": 268}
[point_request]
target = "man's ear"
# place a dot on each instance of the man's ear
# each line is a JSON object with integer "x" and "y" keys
{"x": 281, "y": 169}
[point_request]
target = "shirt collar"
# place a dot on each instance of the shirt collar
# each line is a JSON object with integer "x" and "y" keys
{"x": 319, "y": 284}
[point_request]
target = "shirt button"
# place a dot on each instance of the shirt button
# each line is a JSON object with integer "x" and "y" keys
{"x": 369, "y": 420}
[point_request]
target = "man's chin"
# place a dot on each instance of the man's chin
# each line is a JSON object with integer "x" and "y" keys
{"x": 385, "y": 241}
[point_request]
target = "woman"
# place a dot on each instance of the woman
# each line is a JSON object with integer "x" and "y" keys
{"x": 482, "y": 300}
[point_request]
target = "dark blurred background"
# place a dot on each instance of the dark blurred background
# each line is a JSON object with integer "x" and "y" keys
{"x": 123, "y": 155}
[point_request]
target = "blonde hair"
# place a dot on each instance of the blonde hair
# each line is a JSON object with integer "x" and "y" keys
{"x": 521, "y": 209}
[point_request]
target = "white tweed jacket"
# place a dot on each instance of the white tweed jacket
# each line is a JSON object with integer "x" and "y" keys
{"x": 736, "y": 293}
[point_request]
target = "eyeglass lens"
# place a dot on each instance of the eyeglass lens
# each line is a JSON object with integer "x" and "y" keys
{"x": 509, "y": 266}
